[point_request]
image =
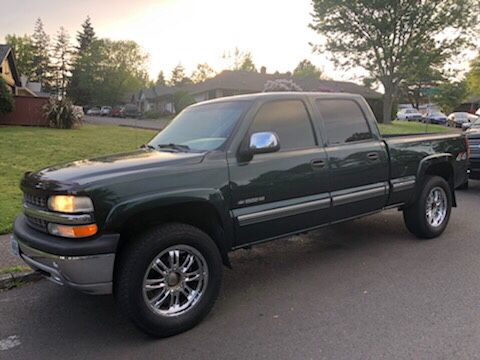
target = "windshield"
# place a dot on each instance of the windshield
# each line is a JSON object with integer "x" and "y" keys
{"x": 202, "y": 128}
{"x": 476, "y": 124}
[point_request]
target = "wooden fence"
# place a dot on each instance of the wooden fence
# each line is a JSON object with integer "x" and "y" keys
{"x": 28, "y": 112}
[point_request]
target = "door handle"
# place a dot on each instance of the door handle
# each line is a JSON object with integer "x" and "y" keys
{"x": 373, "y": 156}
{"x": 318, "y": 163}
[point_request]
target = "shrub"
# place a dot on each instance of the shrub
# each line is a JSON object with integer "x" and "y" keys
{"x": 62, "y": 114}
{"x": 7, "y": 103}
{"x": 152, "y": 114}
{"x": 181, "y": 100}
{"x": 281, "y": 85}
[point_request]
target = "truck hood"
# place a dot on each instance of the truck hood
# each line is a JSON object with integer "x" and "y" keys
{"x": 72, "y": 176}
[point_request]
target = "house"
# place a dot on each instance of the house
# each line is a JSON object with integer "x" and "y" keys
{"x": 469, "y": 105}
{"x": 236, "y": 82}
{"x": 8, "y": 71}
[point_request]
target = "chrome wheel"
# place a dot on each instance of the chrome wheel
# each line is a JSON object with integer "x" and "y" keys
{"x": 436, "y": 207}
{"x": 175, "y": 280}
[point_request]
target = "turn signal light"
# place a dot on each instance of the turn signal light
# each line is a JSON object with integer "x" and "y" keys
{"x": 72, "y": 231}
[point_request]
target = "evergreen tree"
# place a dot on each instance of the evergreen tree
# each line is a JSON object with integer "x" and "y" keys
{"x": 22, "y": 47}
{"x": 178, "y": 76}
{"x": 41, "y": 70}
{"x": 62, "y": 62}
{"x": 160, "y": 79}
{"x": 86, "y": 36}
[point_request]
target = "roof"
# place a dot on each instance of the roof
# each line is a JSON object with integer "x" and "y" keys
{"x": 253, "y": 82}
{"x": 6, "y": 51}
{"x": 472, "y": 100}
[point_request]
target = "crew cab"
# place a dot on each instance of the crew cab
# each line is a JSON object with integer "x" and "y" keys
{"x": 155, "y": 226}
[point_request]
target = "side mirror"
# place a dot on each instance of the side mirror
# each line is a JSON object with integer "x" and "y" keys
{"x": 259, "y": 143}
{"x": 263, "y": 142}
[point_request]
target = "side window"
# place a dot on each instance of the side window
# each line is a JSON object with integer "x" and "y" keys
{"x": 344, "y": 121}
{"x": 289, "y": 120}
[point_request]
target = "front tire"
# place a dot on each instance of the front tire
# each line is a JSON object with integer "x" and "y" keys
{"x": 428, "y": 217}
{"x": 168, "y": 279}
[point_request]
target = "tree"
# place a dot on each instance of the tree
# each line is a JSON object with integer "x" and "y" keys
{"x": 202, "y": 73}
{"x": 178, "y": 76}
{"x": 86, "y": 65}
{"x": 281, "y": 85}
{"x": 62, "y": 62}
{"x": 305, "y": 68}
{"x": 182, "y": 99}
{"x": 41, "y": 70}
{"x": 86, "y": 36}
{"x": 22, "y": 47}
{"x": 473, "y": 76}
{"x": 160, "y": 79}
{"x": 450, "y": 95}
{"x": 239, "y": 60}
{"x": 383, "y": 36}
{"x": 6, "y": 98}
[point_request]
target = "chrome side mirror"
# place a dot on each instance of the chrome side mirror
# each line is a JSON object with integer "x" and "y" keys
{"x": 263, "y": 142}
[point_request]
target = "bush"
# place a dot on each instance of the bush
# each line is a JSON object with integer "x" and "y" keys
{"x": 62, "y": 114}
{"x": 7, "y": 103}
{"x": 181, "y": 100}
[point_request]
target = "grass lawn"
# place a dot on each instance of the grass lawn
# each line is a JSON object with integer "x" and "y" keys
{"x": 25, "y": 148}
{"x": 405, "y": 127}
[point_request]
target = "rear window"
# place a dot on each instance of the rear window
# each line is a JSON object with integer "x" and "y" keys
{"x": 344, "y": 121}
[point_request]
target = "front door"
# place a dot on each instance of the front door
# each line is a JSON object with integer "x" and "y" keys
{"x": 279, "y": 193}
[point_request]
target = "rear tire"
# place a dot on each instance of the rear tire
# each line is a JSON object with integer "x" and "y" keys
{"x": 167, "y": 294}
{"x": 428, "y": 217}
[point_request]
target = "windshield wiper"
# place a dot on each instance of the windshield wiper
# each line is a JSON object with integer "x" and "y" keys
{"x": 173, "y": 146}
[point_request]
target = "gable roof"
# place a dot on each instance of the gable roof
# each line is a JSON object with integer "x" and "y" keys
{"x": 6, "y": 52}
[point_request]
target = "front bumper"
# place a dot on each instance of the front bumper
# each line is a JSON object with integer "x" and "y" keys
{"x": 88, "y": 272}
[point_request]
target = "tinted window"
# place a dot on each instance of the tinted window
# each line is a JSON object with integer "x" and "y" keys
{"x": 344, "y": 121}
{"x": 289, "y": 120}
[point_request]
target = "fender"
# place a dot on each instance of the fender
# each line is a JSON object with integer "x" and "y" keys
{"x": 136, "y": 205}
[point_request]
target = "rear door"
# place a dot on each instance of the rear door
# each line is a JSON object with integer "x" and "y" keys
{"x": 282, "y": 192}
{"x": 357, "y": 157}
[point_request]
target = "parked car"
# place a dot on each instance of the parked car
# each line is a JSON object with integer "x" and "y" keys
{"x": 157, "y": 223}
{"x": 457, "y": 119}
{"x": 131, "y": 111}
{"x": 106, "y": 111}
{"x": 409, "y": 115}
{"x": 473, "y": 138}
{"x": 93, "y": 111}
{"x": 117, "y": 111}
{"x": 435, "y": 117}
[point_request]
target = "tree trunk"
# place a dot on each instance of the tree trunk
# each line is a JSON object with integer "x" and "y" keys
{"x": 387, "y": 103}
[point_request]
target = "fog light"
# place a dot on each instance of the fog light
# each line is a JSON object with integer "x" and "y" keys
{"x": 72, "y": 231}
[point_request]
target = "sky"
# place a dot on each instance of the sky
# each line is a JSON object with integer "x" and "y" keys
{"x": 190, "y": 32}
{"x": 276, "y": 32}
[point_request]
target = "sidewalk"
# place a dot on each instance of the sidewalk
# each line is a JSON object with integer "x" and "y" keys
{"x": 135, "y": 123}
{"x": 7, "y": 260}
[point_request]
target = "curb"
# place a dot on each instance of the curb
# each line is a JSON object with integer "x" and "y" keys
{"x": 12, "y": 280}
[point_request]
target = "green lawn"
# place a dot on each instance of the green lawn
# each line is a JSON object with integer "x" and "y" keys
{"x": 25, "y": 148}
{"x": 405, "y": 127}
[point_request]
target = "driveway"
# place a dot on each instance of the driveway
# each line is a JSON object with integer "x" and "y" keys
{"x": 361, "y": 290}
{"x": 136, "y": 123}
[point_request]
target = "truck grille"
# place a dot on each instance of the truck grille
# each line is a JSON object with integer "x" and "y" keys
{"x": 474, "y": 146}
{"x": 36, "y": 223}
{"x": 37, "y": 201}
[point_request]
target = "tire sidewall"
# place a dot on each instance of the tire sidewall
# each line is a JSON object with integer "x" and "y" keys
{"x": 432, "y": 182}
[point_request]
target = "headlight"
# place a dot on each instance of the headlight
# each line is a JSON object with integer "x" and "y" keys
{"x": 70, "y": 204}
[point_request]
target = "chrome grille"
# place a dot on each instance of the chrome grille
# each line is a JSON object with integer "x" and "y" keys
{"x": 474, "y": 146}
{"x": 34, "y": 200}
{"x": 36, "y": 223}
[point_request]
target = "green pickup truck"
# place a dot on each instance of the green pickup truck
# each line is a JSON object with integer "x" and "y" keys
{"x": 155, "y": 226}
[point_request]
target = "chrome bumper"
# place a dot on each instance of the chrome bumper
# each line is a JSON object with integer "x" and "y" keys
{"x": 92, "y": 274}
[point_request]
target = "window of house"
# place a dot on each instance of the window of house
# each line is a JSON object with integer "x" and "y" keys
{"x": 344, "y": 121}
{"x": 289, "y": 120}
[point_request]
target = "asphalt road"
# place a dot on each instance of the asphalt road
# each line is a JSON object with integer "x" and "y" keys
{"x": 362, "y": 290}
{"x": 136, "y": 123}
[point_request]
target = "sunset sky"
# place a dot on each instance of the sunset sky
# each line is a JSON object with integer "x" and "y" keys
{"x": 188, "y": 31}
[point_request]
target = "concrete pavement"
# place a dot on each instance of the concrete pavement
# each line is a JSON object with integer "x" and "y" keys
{"x": 6, "y": 258}
{"x": 360, "y": 290}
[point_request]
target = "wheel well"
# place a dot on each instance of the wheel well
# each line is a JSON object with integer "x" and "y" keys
{"x": 199, "y": 214}
{"x": 444, "y": 170}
